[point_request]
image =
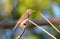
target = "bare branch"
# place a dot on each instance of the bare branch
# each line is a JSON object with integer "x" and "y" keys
{"x": 43, "y": 29}
{"x": 11, "y": 23}
{"x": 50, "y": 23}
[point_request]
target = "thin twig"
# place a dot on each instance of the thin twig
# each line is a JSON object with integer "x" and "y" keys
{"x": 49, "y": 22}
{"x": 20, "y": 35}
{"x": 43, "y": 29}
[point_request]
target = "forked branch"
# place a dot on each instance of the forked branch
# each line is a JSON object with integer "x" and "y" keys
{"x": 43, "y": 29}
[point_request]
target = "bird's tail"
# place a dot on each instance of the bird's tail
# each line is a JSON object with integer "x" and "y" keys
{"x": 15, "y": 26}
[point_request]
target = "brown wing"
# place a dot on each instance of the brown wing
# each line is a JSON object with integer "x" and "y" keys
{"x": 23, "y": 17}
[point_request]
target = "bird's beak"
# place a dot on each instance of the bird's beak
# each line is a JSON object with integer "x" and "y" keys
{"x": 32, "y": 11}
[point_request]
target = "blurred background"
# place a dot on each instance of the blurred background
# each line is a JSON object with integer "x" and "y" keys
{"x": 11, "y": 10}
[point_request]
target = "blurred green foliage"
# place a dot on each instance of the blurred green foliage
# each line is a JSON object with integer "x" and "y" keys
{"x": 33, "y": 4}
{"x": 32, "y": 37}
{"x": 13, "y": 9}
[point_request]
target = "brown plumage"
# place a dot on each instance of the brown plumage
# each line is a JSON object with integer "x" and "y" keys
{"x": 22, "y": 20}
{"x": 23, "y": 17}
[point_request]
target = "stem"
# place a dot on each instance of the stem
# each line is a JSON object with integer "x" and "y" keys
{"x": 20, "y": 35}
{"x": 43, "y": 29}
{"x": 49, "y": 22}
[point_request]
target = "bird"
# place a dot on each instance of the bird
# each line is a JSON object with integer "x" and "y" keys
{"x": 22, "y": 20}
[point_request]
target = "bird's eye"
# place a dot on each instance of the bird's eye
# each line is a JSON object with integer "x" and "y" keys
{"x": 24, "y": 24}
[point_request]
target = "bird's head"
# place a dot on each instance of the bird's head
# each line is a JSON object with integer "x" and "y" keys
{"x": 29, "y": 11}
